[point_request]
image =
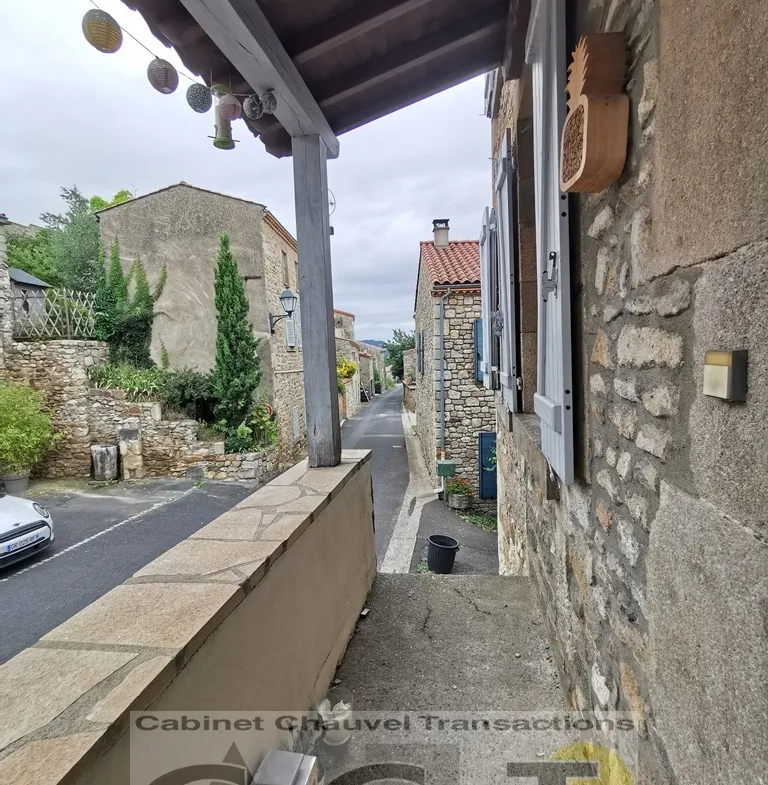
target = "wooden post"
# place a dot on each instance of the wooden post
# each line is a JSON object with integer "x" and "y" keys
{"x": 310, "y": 181}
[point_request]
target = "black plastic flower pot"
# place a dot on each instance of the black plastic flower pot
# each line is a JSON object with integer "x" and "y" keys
{"x": 441, "y": 553}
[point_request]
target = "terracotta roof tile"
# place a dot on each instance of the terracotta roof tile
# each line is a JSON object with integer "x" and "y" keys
{"x": 458, "y": 263}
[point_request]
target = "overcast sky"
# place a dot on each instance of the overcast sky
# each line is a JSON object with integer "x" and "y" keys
{"x": 72, "y": 115}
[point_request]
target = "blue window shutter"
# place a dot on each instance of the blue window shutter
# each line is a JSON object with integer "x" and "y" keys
{"x": 420, "y": 352}
{"x": 478, "y": 350}
{"x": 553, "y": 401}
{"x": 487, "y": 467}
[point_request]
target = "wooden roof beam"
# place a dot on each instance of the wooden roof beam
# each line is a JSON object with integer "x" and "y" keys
{"x": 244, "y": 36}
{"x": 366, "y": 16}
{"x": 467, "y": 32}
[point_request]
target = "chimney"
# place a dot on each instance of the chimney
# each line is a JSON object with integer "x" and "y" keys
{"x": 440, "y": 231}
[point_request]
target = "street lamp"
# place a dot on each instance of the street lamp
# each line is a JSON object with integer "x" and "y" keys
{"x": 288, "y": 301}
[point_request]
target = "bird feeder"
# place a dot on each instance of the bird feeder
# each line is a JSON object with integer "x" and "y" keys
{"x": 594, "y": 140}
{"x": 101, "y": 31}
{"x": 162, "y": 76}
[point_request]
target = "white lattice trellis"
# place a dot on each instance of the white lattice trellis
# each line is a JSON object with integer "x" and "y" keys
{"x": 50, "y": 314}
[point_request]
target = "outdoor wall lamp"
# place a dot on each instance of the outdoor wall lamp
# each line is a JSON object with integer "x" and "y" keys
{"x": 288, "y": 301}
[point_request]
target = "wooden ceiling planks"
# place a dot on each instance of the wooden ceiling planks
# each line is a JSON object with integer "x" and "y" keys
{"x": 361, "y": 59}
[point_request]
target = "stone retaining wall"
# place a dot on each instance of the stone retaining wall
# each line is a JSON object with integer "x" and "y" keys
{"x": 88, "y": 416}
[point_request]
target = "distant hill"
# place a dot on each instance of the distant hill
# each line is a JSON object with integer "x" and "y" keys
{"x": 375, "y": 343}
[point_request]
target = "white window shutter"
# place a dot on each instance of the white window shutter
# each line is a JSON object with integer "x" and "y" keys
{"x": 508, "y": 361}
{"x": 486, "y": 298}
{"x": 553, "y": 401}
{"x": 290, "y": 331}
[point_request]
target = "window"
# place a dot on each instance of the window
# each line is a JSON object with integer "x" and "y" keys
{"x": 546, "y": 53}
{"x": 420, "y": 352}
{"x": 286, "y": 271}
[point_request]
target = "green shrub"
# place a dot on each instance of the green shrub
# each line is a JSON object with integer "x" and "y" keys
{"x": 239, "y": 440}
{"x": 26, "y": 429}
{"x": 191, "y": 392}
{"x": 263, "y": 425}
{"x": 140, "y": 384}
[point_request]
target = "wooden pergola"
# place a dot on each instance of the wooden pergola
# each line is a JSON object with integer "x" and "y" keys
{"x": 333, "y": 65}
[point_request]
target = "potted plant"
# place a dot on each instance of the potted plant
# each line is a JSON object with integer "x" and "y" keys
{"x": 459, "y": 493}
{"x": 26, "y": 434}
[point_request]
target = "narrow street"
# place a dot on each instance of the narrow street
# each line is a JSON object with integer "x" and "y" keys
{"x": 378, "y": 427}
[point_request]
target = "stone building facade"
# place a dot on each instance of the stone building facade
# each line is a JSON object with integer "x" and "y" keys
{"x": 179, "y": 228}
{"x": 652, "y": 563}
{"x": 448, "y": 279}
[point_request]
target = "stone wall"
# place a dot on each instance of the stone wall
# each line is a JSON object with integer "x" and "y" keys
{"x": 409, "y": 365}
{"x": 344, "y": 324}
{"x": 646, "y": 566}
{"x": 427, "y": 395}
{"x": 468, "y": 405}
{"x": 366, "y": 372}
{"x": 283, "y": 375}
{"x": 347, "y": 349}
{"x": 61, "y": 369}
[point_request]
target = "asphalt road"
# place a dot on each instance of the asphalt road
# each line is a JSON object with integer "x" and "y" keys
{"x": 103, "y": 536}
{"x": 378, "y": 427}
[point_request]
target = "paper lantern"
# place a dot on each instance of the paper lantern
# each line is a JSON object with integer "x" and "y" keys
{"x": 162, "y": 76}
{"x": 101, "y": 31}
{"x": 199, "y": 98}
{"x": 229, "y": 108}
{"x": 253, "y": 108}
{"x": 269, "y": 102}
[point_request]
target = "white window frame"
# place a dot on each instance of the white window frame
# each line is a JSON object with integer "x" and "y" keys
{"x": 553, "y": 401}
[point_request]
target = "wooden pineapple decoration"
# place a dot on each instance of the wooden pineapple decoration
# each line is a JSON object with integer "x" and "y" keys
{"x": 594, "y": 141}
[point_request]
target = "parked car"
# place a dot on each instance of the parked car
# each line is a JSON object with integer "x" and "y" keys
{"x": 26, "y": 528}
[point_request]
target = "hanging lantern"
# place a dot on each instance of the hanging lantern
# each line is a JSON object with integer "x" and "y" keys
{"x": 269, "y": 102}
{"x": 253, "y": 108}
{"x": 101, "y": 31}
{"x": 223, "y": 134}
{"x": 199, "y": 97}
{"x": 229, "y": 107}
{"x": 162, "y": 76}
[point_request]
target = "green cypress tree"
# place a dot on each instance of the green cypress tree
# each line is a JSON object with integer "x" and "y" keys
{"x": 237, "y": 372}
{"x": 118, "y": 283}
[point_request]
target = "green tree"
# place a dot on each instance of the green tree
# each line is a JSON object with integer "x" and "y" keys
{"x": 99, "y": 203}
{"x": 34, "y": 254}
{"x": 126, "y": 322}
{"x": 237, "y": 371}
{"x": 75, "y": 242}
{"x": 401, "y": 340}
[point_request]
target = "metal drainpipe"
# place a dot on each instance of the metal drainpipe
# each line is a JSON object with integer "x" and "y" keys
{"x": 447, "y": 290}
